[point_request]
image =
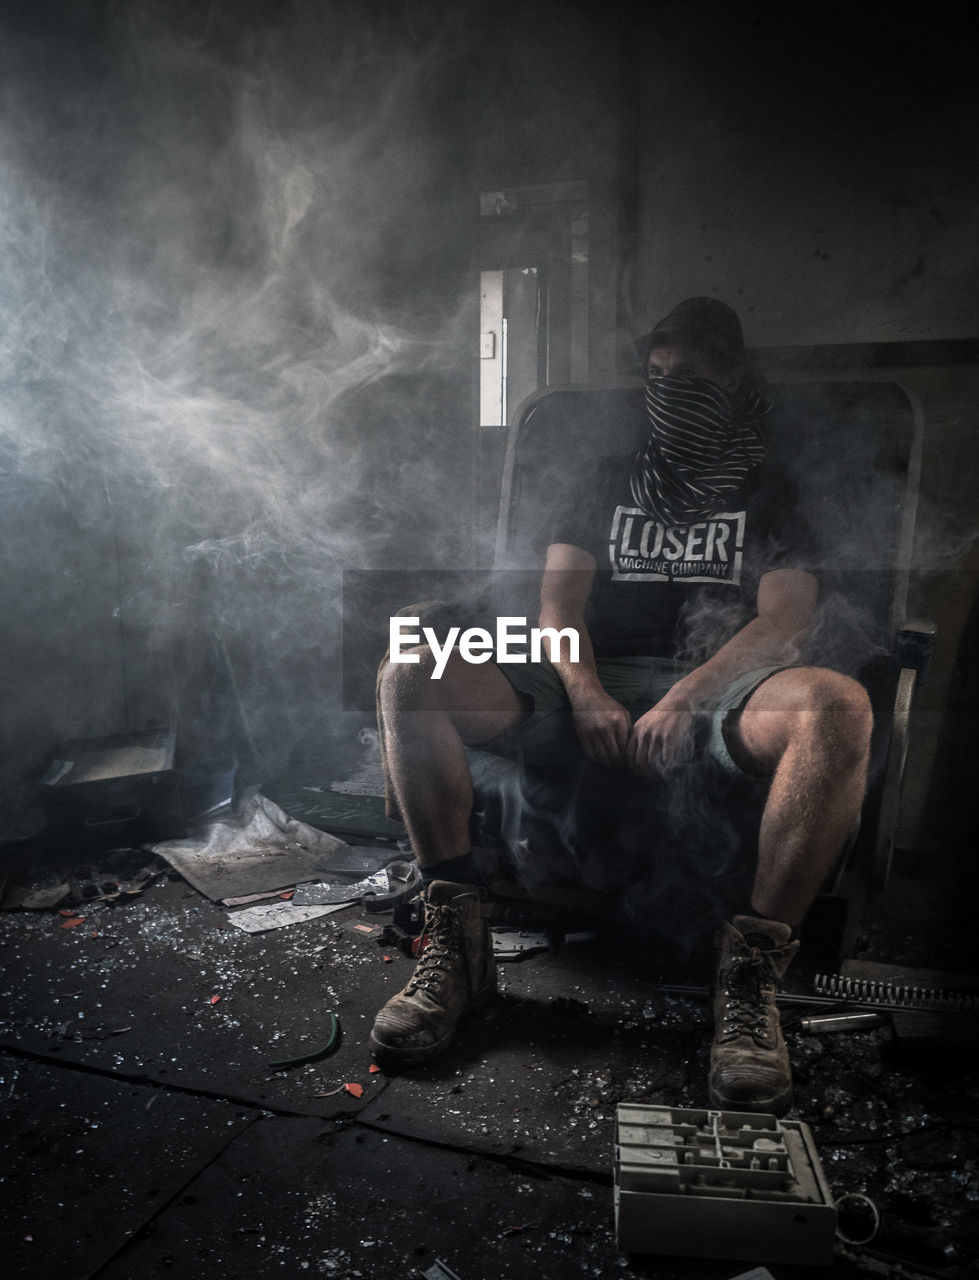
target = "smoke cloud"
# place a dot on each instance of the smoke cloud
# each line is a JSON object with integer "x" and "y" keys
{"x": 231, "y": 341}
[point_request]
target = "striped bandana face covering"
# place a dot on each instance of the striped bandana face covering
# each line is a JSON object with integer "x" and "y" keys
{"x": 700, "y": 448}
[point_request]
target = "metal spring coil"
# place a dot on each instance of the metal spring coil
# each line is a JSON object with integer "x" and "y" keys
{"x": 877, "y": 992}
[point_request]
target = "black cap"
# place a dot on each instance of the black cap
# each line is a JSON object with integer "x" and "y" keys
{"x": 708, "y": 322}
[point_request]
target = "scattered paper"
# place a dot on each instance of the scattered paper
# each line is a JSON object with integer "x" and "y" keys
{"x": 276, "y": 915}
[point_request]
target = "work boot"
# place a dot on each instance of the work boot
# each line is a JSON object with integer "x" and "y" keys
{"x": 456, "y": 972}
{"x": 749, "y": 1063}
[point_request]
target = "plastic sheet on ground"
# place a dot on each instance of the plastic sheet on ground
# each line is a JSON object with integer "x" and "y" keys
{"x": 315, "y": 895}
{"x": 258, "y": 849}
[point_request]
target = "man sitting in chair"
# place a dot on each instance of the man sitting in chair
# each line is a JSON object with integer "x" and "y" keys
{"x": 694, "y": 515}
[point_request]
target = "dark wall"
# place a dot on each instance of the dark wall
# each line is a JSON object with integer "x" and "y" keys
{"x": 815, "y": 166}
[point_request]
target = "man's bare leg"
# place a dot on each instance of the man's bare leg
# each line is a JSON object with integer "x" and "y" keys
{"x": 427, "y": 725}
{"x": 809, "y": 729}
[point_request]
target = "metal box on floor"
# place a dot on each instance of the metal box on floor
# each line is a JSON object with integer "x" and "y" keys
{"x": 720, "y": 1184}
{"x": 107, "y": 783}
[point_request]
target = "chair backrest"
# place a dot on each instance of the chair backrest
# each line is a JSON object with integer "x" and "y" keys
{"x": 852, "y": 446}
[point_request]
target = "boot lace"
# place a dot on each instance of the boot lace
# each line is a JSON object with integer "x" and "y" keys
{"x": 749, "y": 991}
{"x": 444, "y": 944}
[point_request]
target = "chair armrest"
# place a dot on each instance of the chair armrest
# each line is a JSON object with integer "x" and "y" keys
{"x": 914, "y": 645}
{"x": 913, "y": 648}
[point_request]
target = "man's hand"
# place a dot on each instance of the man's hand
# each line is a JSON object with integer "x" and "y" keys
{"x": 602, "y": 726}
{"x": 663, "y": 737}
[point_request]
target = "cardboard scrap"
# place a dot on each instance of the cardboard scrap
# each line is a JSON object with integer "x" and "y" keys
{"x": 243, "y": 899}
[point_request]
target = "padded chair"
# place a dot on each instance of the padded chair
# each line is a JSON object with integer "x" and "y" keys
{"x": 853, "y": 448}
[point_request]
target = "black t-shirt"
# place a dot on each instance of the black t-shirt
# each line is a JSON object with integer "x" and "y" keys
{"x": 680, "y": 591}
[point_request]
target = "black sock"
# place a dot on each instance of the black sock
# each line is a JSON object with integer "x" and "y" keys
{"x": 461, "y": 870}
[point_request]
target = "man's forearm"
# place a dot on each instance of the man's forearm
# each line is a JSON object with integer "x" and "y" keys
{"x": 601, "y": 724}
{"x": 787, "y": 601}
{"x": 579, "y": 678}
{"x": 758, "y": 644}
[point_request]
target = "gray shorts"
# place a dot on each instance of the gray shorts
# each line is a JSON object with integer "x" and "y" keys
{"x": 547, "y": 737}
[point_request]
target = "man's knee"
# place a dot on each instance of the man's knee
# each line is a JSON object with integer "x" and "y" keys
{"x": 435, "y": 680}
{"x": 837, "y": 712}
{"x": 811, "y": 708}
{"x": 408, "y": 685}
{"x": 843, "y": 701}
{"x": 477, "y": 698}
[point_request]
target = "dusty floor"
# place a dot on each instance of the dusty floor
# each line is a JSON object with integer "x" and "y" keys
{"x": 145, "y": 1133}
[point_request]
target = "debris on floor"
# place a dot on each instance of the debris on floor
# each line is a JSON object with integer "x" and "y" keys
{"x": 118, "y": 874}
{"x": 439, "y": 1271}
{"x": 262, "y": 918}
{"x": 314, "y": 1055}
{"x": 501, "y": 1150}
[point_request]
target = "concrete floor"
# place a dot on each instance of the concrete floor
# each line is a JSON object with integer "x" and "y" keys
{"x": 145, "y": 1133}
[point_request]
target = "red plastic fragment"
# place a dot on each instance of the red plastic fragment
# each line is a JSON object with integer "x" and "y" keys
{"x": 72, "y": 923}
{"x": 357, "y": 1090}
{"x": 373, "y": 1068}
{"x": 215, "y": 999}
{"x": 387, "y": 959}
{"x": 290, "y": 893}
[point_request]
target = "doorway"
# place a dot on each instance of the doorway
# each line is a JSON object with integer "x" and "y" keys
{"x": 533, "y": 319}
